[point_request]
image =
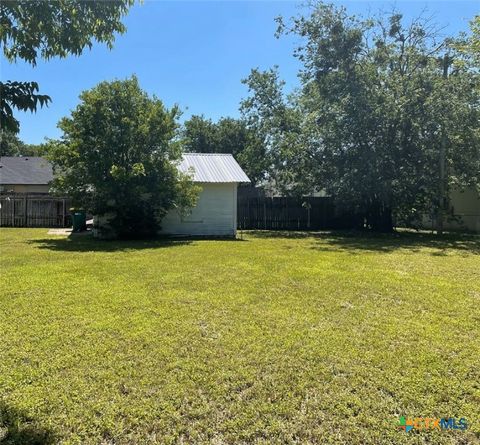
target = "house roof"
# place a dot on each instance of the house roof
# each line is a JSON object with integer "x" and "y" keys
{"x": 207, "y": 167}
{"x": 25, "y": 170}
{"x": 212, "y": 167}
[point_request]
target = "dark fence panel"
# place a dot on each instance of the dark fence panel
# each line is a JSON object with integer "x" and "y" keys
{"x": 282, "y": 213}
{"x": 34, "y": 211}
{"x": 287, "y": 213}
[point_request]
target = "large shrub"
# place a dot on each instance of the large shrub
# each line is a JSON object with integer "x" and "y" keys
{"x": 117, "y": 159}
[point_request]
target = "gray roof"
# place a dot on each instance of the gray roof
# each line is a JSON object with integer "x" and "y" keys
{"x": 207, "y": 167}
{"x": 213, "y": 167}
{"x": 25, "y": 170}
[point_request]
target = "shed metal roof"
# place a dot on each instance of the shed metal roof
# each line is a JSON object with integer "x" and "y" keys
{"x": 206, "y": 167}
{"x": 25, "y": 170}
{"x": 213, "y": 167}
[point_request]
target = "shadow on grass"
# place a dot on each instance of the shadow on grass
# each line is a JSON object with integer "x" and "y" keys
{"x": 357, "y": 241}
{"x": 76, "y": 243}
{"x": 17, "y": 428}
{"x": 349, "y": 241}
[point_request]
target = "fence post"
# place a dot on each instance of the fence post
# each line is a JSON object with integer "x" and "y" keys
{"x": 25, "y": 218}
{"x": 264, "y": 214}
{"x": 287, "y": 214}
{"x": 63, "y": 212}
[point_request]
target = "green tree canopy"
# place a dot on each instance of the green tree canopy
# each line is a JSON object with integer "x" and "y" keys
{"x": 228, "y": 135}
{"x": 199, "y": 135}
{"x": 469, "y": 46}
{"x": 30, "y": 29}
{"x": 381, "y": 107}
{"x": 11, "y": 145}
{"x": 274, "y": 120}
{"x": 117, "y": 158}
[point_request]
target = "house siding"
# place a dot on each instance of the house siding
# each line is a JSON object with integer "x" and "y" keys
{"x": 25, "y": 188}
{"x": 464, "y": 205}
{"x": 214, "y": 215}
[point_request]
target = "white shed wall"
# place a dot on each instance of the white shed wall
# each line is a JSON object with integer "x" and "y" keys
{"x": 214, "y": 215}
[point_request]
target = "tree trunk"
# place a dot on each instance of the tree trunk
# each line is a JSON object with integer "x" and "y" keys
{"x": 379, "y": 217}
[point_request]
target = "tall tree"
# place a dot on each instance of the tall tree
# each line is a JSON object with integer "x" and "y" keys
{"x": 199, "y": 135}
{"x": 379, "y": 100}
{"x": 228, "y": 135}
{"x": 117, "y": 159}
{"x": 237, "y": 138}
{"x": 11, "y": 145}
{"x": 274, "y": 120}
{"x": 32, "y": 29}
{"x": 469, "y": 45}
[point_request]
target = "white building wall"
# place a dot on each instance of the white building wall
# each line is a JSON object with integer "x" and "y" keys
{"x": 214, "y": 215}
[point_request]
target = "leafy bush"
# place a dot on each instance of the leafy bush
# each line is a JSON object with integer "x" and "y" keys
{"x": 117, "y": 159}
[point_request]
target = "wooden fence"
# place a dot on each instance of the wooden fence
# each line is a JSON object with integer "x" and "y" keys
{"x": 261, "y": 213}
{"x": 282, "y": 213}
{"x": 23, "y": 210}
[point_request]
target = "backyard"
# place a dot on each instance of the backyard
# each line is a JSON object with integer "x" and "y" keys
{"x": 278, "y": 338}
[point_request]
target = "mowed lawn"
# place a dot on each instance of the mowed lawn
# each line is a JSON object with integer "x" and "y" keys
{"x": 273, "y": 339}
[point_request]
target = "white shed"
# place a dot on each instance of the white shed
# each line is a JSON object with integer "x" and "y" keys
{"x": 216, "y": 211}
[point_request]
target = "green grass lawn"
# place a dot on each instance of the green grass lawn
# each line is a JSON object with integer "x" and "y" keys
{"x": 273, "y": 339}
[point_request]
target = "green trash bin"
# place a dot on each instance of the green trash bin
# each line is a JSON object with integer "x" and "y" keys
{"x": 79, "y": 220}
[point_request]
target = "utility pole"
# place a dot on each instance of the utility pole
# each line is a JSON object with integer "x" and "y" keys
{"x": 443, "y": 151}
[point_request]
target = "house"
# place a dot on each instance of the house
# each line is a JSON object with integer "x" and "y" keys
{"x": 20, "y": 174}
{"x": 465, "y": 206}
{"x": 216, "y": 211}
{"x": 463, "y": 213}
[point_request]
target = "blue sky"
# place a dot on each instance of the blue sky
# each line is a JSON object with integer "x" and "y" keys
{"x": 193, "y": 54}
